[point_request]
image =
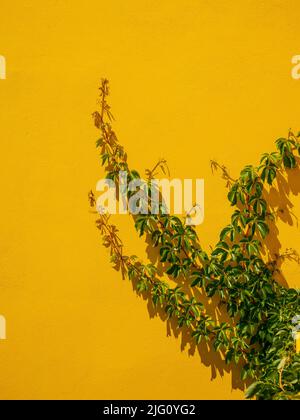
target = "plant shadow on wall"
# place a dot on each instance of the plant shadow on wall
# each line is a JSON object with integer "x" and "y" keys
{"x": 208, "y": 356}
{"x": 226, "y": 304}
{"x": 281, "y": 206}
{"x": 206, "y": 351}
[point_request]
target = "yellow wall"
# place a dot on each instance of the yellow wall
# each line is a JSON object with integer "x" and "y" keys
{"x": 191, "y": 80}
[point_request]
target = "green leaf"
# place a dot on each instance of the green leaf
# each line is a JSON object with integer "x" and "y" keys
{"x": 99, "y": 142}
{"x": 271, "y": 175}
{"x": 289, "y": 160}
{"x": 198, "y": 281}
{"x": 135, "y": 175}
{"x": 244, "y": 372}
{"x": 253, "y": 389}
{"x": 232, "y": 196}
{"x": 229, "y": 356}
{"x": 281, "y": 144}
{"x": 263, "y": 228}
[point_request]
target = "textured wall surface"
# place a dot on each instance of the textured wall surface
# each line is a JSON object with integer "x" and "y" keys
{"x": 191, "y": 80}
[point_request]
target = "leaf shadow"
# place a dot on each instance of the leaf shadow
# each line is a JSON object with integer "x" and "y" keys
{"x": 205, "y": 350}
{"x": 279, "y": 201}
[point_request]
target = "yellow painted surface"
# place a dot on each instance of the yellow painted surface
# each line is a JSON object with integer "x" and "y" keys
{"x": 298, "y": 343}
{"x": 191, "y": 80}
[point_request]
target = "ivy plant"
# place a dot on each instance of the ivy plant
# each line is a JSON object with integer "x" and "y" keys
{"x": 258, "y": 333}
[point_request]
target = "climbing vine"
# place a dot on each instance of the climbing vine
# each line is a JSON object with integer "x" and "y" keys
{"x": 258, "y": 332}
